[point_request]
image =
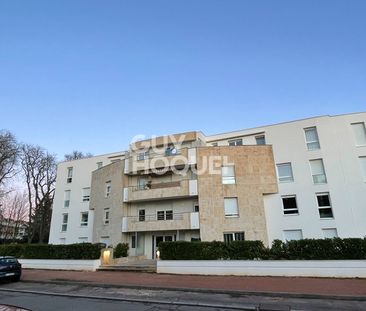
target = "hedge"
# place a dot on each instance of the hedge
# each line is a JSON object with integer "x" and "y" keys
{"x": 50, "y": 251}
{"x": 121, "y": 250}
{"x": 306, "y": 249}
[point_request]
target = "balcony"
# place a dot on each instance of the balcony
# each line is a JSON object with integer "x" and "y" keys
{"x": 161, "y": 191}
{"x": 179, "y": 221}
{"x": 139, "y": 162}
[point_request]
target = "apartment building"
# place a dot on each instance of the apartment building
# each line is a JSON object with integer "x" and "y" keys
{"x": 299, "y": 179}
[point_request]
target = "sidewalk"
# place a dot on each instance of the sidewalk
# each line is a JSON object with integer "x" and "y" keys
{"x": 269, "y": 285}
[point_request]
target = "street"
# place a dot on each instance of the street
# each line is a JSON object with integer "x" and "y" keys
{"x": 44, "y": 297}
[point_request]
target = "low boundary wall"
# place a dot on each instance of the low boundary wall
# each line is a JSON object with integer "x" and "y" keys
{"x": 60, "y": 264}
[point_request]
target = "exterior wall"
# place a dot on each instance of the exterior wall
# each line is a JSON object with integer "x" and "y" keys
{"x": 60, "y": 264}
{"x": 255, "y": 175}
{"x": 112, "y": 231}
{"x": 344, "y": 178}
{"x": 82, "y": 170}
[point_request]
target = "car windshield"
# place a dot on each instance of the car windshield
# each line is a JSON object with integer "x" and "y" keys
{"x": 4, "y": 261}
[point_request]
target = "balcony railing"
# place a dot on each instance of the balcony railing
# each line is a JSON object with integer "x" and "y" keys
{"x": 158, "y": 222}
{"x": 161, "y": 191}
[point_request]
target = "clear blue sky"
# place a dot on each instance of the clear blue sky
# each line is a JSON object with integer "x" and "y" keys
{"x": 89, "y": 75}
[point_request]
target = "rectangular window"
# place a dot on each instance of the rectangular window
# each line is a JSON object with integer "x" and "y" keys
{"x": 312, "y": 139}
{"x": 69, "y": 174}
{"x": 236, "y": 142}
{"x": 108, "y": 189}
{"x": 330, "y": 233}
{"x": 260, "y": 140}
{"x": 284, "y": 171}
{"x": 99, "y": 164}
{"x": 359, "y": 132}
{"x": 169, "y": 215}
{"x": 141, "y": 215}
{"x": 292, "y": 234}
{"x": 231, "y": 207}
{"x": 142, "y": 155}
{"x": 324, "y": 205}
{"x": 106, "y": 216}
{"x": 142, "y": 183}
{"x": 318, "y": 172}
{"x": 290, "y": 205}
{"x": 65, "y": 219}
{"x": 133, "y": 241}
{"x": 84, "y": 219}
{"x": 234, "y": 236}
{"x": 228, "y": 175}
{"x": 363, "y": 166}
{"x": 86, "y": 194}
{"x": 214, "y": 144}
{"x": 67, "y": 194}
{"x": 160, "y": 215}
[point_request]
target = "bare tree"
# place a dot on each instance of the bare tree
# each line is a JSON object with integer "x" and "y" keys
{"x": 13, "y": 215}
{"x": 9, "y": 152}
{"x": 75, "y": 155}
{"x": 39, "y": 168}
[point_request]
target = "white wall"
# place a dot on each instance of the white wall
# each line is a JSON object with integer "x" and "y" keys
{"x": 308, "y": 268}
{"x": 82, "y": 170}
{"x": 60, "y": 264}
{"x": 345, "y": 184}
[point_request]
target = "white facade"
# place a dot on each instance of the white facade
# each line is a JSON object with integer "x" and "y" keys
{"x": 75, "y": 229}
{"x": 333, "y": 145}
{"x": 345, "y": 180}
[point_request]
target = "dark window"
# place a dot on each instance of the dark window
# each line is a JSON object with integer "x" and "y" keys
{"x": 325, "y": 208}
{"x": 141, "y": 215}
{"x": 323, "y": 200}
{"x": 234, "y": 236}
{"x": 169, "y": 215}
{"x": 289, "y": 205}
{"x": 239, "y": 236}
{"x": 260, "y": 140}
{"x": 236, "y": 142}
{"x": 160, "y": 215}
{"x": 133, "y": 241}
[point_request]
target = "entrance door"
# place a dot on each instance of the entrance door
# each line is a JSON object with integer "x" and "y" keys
{"x": 162, "y": 238}
{"x": 140, "y": 249}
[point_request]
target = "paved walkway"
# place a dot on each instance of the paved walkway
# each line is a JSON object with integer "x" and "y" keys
{"x": 310, "y": 286}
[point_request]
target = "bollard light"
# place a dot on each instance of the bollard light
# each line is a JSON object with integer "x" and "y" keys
{"x": 106, "y": 257}
{"x": 157, "y": 254}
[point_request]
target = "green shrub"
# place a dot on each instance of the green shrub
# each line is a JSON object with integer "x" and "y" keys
{"x": 306, "y": 249}
{"x": 121, "y": 250}
{"x": 50, "y": 251}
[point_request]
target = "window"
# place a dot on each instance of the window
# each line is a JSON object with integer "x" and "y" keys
{"x": 84, "y": 219}
{"x": 325, "y": 208}
{"x": 107, "y": 189}
{"x": 234, "y": 236}
{"x": 99, "y": 164}
{"x": 231, "y": 207}
{"x": 65, "y": 218}
{"x": 141, "y": 215}
{"x": 311, "y": 138}
{"x": 284, "y": 171}
{"x": 317, "y": 171}
{"x": 214, "y": 144}
{"x": 168, "y": 215}
{"x": 359, "y": 132}
{"x": 106, "y": 216}
{"x": 260, "y": 140}
{"x": 67, "y": 194}
{"x": 330, "y": 233}
{"x": 142, "y": 183}
{"x": 196, "y": 208}
{"x": 142, "y": 155}
{"x": 228, "y": 175}
{"x": 86, "y": 194}
{"x": 290, "y": 205}
{"x": 133, "y": 241}
{"x": 83, "y": 239}
{"x": 69, "y": 174}
{"x": 363, "y": 166}
{"x": 160, "y": 215}
{"x": 236, "y": 142}
{"x": 292, "y": 234}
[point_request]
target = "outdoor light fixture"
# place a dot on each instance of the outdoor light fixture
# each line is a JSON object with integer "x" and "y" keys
{"x": 106, "y": 257}
{"x": 157, "y": 254}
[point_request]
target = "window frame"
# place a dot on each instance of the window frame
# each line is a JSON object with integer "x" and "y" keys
{"x": 290, "y": 196}
{"x": 237, "y": 207}
{"x": 327, "y": 207}
{"x": 84, "y": 223}
{"x": 233, "y": 236}
{"x": 67, "y": 201}
{"x": 70, "y": 172}
{"x": 64, "y": 224}
{"x": 312, "y": 142}
{"x": 235, "y": 142}
{"x": 285, "y": 179}
{"x": 230, "y": 179}
{"x": 258, "y": 137}
{"x": 85, "y": 198}
{"x": 315, "y": 175}
{"x": 108, "y": 189}
{"x": 106, "y": 216}
{"x": 363, "y": 125}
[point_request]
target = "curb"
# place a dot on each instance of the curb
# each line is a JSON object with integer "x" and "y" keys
{"x": 205, "y": 290}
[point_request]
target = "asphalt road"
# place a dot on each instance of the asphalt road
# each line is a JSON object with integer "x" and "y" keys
{"x": 41, "y": 296}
